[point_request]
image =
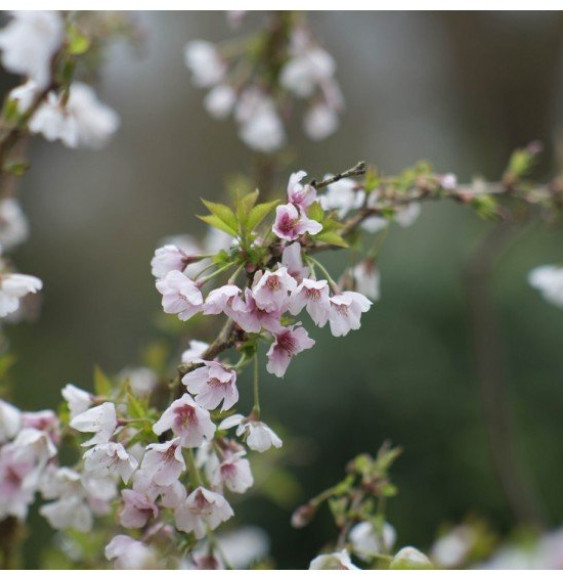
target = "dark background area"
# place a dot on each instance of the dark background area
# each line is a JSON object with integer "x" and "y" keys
{"x": 459, "y": 89}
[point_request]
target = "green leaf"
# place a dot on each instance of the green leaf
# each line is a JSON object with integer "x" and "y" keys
{"x": 218, "y": 223}
{"x": 223, "y": 212}
{"x": 102, "y": 384}
{"x": 77, "y": 42}
{"x": 332, "y": 238}
{"x": 135, "y": 408}
{"x": 16, "y": 168}
{"x": 258, "y": 213}
{"x": 315, "y": 212}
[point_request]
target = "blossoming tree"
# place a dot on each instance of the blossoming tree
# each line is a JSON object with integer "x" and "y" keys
{"x": 156, "y": 461}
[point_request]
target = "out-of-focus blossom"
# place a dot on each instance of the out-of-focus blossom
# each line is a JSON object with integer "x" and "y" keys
{"x": 80, "y": 121}
{"x": 14, "y": 287}
{"x": 205, "y": 63}
{"x": 549, "y": 281}
{"x": 340, "y": 560}
{"x": 29, "y": 42}
{"x": 14, "y": 227}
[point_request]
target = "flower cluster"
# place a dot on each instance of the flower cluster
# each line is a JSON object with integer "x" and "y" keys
{"x": 38, "y": 45}
{"x": 253, "y": 83}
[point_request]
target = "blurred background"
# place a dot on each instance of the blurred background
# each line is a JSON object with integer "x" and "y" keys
{"x": 461, "y": 90}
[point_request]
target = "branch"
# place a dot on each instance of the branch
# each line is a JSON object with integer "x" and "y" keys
{"x": 358, "y": 170}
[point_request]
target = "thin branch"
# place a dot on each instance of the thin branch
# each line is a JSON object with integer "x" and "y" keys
{"x": 358, "y": 170}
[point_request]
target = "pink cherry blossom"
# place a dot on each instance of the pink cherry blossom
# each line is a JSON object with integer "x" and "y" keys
{"x": 290, "y": 223}
{"x": 168, "y": 258}
{"x": 16, "y": 491}
{"x": 314, "y": 295}
{"x": 339, "y": 560}
{"x": 195, "y": 351}
{"x": 78, "y": 400}
{"x": 345, "y": 312}
{"x": 138, "y": 508}
{"x": 129, "y": 553}
{"x": 271, "y": 290}
{"x": 234, "y": 472}
{"x": 187, "y": 420}
{"x": 259, "y": 436}
{"x": 288, "y": 343}
{"x": 180, "y": 295}
{"x": 298, "y": 194}
{"x": 221, "y": 300}
{"x": 10, "y": 421}
{"x": 100, "y": 420}
{"x": 366, "y": 278}
{"x": 202, "y": 510}
{"x": 291, "y": 259}
{"x": 107, "y": 458}
{"x": 251, "y": 318}
{"x": 163, "y": 463}
{"x": 212, "y": 384}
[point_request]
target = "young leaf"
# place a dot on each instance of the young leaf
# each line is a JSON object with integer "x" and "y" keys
{"x": 218, "y": 223}
{"x": 315, "y": 212}
{"x": 258, "y": 213}
{"x": 135, "y": 407}
{"x": 332, "y": 238}
{"x": 223, "y": 212}
{"x": 102, "y": 384}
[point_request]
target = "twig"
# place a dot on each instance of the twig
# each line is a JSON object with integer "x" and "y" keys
{"x": 358, "y": 170}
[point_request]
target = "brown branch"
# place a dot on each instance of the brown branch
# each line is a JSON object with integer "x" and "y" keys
{"x": 358, "y": 170}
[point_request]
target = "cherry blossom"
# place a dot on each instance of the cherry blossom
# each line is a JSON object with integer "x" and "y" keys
{"x": 100, "y": 420}
{"x": 367, "y": 543}
{"x": 263, "y": 130}
{"x": 187, "y": 420}
{"x": 314, "y": 295}
{"x": 234, "y": 472}
{"x": 271, "y": 290}
{"x": 170, "y": 257}
{"x": 10, "y": 421}
{"x": 291, "y": 223}
{"x": 221, "y": 300}
{"x": 345, "y": 312}
{"x": 17, "y": 481}
{"x": 204, "y": 62}
{"x": 14, "y": 227}
{"x": 195, "y": 351}
{"x": 292, "y": 261}
{"x": 14, "y": 287}
{"x": 212, "y": 384}
{"x": 366, "y": 279}
{"x": 258, "y": 436}
{"x": 78, "y": 400}
{"x": 129, "y": 553}
{"x": 30, "y": 41}
{"x": 163, "y": 463}
{"x": 320, "y": 122}
{"x": 180, "y": 295}
{"x": 298, "y": 194}
{"x": 137, "y": 509}
{"x": 410, "y": 558}
{"x": 106, "y": 458}
{"x": 339, "y": 560}
{"x": 202, "y": 510}
{"x": 81, "y": 120}
{"x": 342, "y": 196}
{"x": 288, "y": 343}
{"x": 252, "y": 318}
{"x": 220, "y": 101}
{"x": 549, "y": 281}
